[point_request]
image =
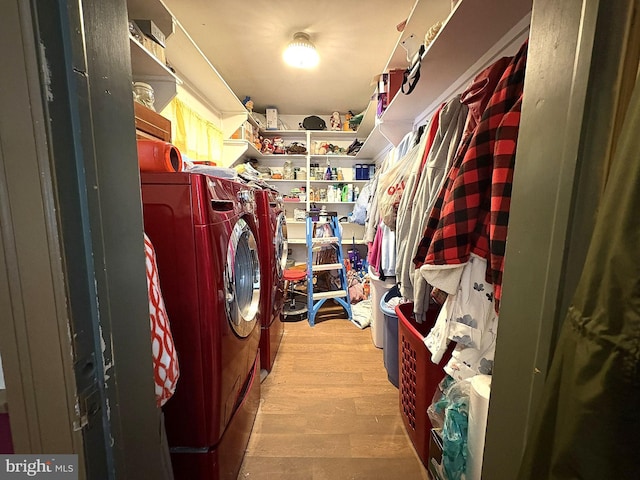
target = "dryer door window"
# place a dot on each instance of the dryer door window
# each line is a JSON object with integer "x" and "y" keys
{"x": 242, "y": 279}
{"x": 281, "y": 241}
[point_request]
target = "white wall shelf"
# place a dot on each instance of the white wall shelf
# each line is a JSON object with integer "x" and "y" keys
{"x": 335, "y": 135}
{"x": 234, "y": 149}
{"x": 375, "y": 144}
{"x": 154, "y": 10}
{"x": 423, "y": 15}
{"x": 300, "y": 134}
{"x": 307, "y": 137}
{"x": 278, "y": 156}
{"x": 474, "y": 35}
{"x": 332, "y": 156}
{"x": 283, "y": 180}
{"x": 145, "y": 67}
{"x": 202, "y": 79}
{"x": 368, "y": 120}
{"x": 194, "y": 71}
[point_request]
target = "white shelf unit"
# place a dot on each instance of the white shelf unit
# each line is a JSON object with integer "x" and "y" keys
{"x": 290, "y": 135}
{"x": 145, "y": 67}
{"x": 238, "y": 148}
{"x": 474, "y": 35}
{"x": 296, "y": 229}
{"x": 193, "y": 70}
{"x": 242, "y": 147}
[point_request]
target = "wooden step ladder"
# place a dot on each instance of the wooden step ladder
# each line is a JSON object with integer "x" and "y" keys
{"x": 314, "y": 246}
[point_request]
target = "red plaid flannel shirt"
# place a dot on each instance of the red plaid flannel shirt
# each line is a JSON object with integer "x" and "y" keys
{"x": 504, "y": 157}
{"x": 471, "y": 213}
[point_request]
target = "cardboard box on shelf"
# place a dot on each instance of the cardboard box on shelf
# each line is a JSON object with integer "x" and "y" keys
{"x": 272, "y": 118}
{"x": 151, "y": 30}
{"x": 248, "y": 132}
{"x": 154, "y": 48}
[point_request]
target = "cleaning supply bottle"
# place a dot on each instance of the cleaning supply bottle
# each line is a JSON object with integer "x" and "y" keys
{"x": 330, "y": 194}
{"x": 327, "y": 173}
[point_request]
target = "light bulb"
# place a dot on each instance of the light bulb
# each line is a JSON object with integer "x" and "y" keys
{"x": 301, "y": 53}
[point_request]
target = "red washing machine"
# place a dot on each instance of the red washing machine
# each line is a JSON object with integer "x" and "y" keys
{"x": 204, "y": 231}
{"x": 273, "y": 246}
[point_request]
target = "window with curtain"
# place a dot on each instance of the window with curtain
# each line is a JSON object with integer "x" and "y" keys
{"x": 195, "y": 136}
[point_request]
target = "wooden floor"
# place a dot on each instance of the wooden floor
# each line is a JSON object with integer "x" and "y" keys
{"x": 328, "y": 411}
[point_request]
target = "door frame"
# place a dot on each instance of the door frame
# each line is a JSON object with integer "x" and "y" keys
{"x": 581, "y": 67}
{"x": 74, "y": 329}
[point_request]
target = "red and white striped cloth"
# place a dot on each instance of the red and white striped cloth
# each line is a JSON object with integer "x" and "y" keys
{"x": 165, "y": 359}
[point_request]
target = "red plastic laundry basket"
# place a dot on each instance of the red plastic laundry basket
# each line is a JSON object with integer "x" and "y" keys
{"x": 419, "y": 376}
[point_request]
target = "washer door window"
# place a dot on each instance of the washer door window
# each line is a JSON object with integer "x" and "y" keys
{"x": 242, "y": 279}
{"x": 281, "y": 242}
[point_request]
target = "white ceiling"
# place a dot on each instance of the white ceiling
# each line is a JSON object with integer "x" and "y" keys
{"x": 244, "y": 41}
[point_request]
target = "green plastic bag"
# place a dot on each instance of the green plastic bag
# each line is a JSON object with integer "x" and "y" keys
{"x": 454, "y": 432}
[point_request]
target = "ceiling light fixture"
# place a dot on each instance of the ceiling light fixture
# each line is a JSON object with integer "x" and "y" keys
{"x": 301, "y": 53}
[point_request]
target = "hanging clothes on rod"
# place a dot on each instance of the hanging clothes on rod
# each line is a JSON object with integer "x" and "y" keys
{"x": 406, "y": 211}
{"x": 455, "y": 123}
{"x": 373, "y": 214}
{"x": 451, "y": 119}
{"x": 460, "y": 222}
{"x": 462, "y": 249}
{"x": 381, "y": 238}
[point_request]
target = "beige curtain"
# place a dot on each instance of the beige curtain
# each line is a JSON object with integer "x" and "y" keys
{"x": 195, "y": 137}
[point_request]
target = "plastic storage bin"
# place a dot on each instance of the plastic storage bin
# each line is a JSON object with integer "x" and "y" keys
{"x": 419, "y": 376}
{"x": 390, "y": 341}
{"x": 378, "y": 289}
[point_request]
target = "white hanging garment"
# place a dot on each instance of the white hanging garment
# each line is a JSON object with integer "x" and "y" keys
{"x": 469, "y": 319}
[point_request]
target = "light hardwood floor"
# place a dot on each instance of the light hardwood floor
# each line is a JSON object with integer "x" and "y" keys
{"x": 328, "y": 411}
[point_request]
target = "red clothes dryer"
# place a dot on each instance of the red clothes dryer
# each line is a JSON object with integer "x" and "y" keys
{"x": 204, "y": 231}
{"x": 272, "y": 246}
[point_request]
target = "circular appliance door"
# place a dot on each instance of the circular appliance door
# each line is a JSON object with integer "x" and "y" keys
{"x": 281, "y": 242}
{"x": 242, "y": 279}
